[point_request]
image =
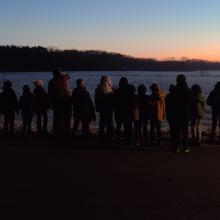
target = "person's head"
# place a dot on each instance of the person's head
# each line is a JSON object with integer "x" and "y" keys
{"x": 171, "y": 88}
{"x": 38, "y": 83}
{"x": 181, "y": 79}
{"x": 7, "y": 84}
{"x": 123, "y": 82}
{"x": 142, "y": 89}
{"x": 57, "y": 72}
{"x": 155, "y": 88}
{"x": 80, "y": 83}
{"x": 217, "y": 85}
{"x": 26, "y": 89}
{"x": 196, "y": 89}
{"x": 131, "y": 89}
{"x": 106, "y": 79}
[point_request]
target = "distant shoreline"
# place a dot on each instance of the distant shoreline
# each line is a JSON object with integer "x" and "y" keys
{"x": 41, "y": 59}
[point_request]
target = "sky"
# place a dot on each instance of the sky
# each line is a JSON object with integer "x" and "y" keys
{"x": 160, "y": 29}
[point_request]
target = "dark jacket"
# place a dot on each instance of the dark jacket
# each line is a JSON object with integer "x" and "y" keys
{"x": 144, "y": 107}
{"x": 41, "y": 100}
{"x": 9, "y": 102}
{"x": 103, "y": 101}
{"x": 83, "y": 108}
{"x": 170, "y": 106}
{"x": 123, "y": 104}
{"x": 26, "y": 104}
{"x": 182, "y": 104}
{"x": 214, "y": 100}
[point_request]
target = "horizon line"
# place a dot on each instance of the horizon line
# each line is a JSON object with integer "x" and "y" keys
{"x": 169, "y": 58}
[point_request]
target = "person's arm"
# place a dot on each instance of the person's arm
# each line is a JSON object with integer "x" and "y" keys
{"x": 91, "y": 107}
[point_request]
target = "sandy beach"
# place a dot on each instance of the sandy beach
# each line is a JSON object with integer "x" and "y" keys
{"x": 50, "y": 180}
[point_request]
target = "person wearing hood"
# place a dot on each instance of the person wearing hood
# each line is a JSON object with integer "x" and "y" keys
{"x": 83, "y": 108}
{"x": 158, "y": 110}
{"x": 104, "y": 106}
{"x": 213, "y": 100}
{"x": 198, "y": 112}
{"x": 9, "y": 105}
{"x": 41, "y": 106}
{"x": 60, "y": 99}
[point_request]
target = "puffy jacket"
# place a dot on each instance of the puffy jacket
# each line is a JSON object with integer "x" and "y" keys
{"x": 158, "y": 107}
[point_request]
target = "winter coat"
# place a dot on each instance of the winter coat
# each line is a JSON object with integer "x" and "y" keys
{"x": 83, "y": 108}
{"x": 41, "y": 100}
{"x": 123, "y": 104}
{"x": 9, "y": 102}
{"x": 198, "y": 109}
{"x": 170, "y": 106}
{"x": 182, "y": 104}
{"x": 104, "y": 100}
{"x": 144, "y": 107}
{"x": 158, "y": 108}
{"x": 26, "y": 104}
{"x": 214, "y": 100}
{"x": 58, "y": 88}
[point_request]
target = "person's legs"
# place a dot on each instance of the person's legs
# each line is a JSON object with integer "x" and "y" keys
{"x": 6, "y": 122}
{"x": 214, "y": 125}
{"x": 128, "y": 131}
{"x": 75, "y": 126}
{"x": 102, "y": 125}
{"x": 11, "y": 122}
{"x": 29, "y": 121}
{"x": 137, "y": 133}
{"x": 39, "y": 126}
{"x": 158, "y": 130}
{"x": 145, "y": 131}
{"x": 85, "y": 129}
{"x": 110, "y": 126}
{"x": 198, "y": 131}
{"x": 118, "y": 130}
{"x": 45, "y": 122}
{"x": 24, "y": 126}
{"x": 194, "y": 129}
{"x": 152, "y": 130}
{"x": 185, "y": 135}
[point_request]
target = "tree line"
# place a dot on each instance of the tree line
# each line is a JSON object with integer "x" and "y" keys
{"x": 25, "y": 58}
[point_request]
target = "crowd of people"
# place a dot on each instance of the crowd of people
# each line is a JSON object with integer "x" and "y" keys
{"x": 126, "y": 116}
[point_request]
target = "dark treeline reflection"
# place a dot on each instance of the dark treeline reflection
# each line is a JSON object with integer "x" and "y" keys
{"x": 14, "y": 58}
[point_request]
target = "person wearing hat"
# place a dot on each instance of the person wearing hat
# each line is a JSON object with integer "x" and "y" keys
{"x": 213, "y": 100}
{"x": 9, "y": 105}
{"x": 41, "y": 106}
{"x": 26, "y": 104}
{"x": 60, "y": 100}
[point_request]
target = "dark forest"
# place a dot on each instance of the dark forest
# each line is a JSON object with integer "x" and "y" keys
{"x": 15, "y": 58}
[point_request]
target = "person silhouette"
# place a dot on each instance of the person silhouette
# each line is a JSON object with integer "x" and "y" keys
{"x": 9, "y": 105}
{"x": 183, "y": 111}
{"x": 104, "y": 106}
{"x": 198, "y": 111}
{"x": 26, "y": 105}
{"x": 213, "y": 100}
{"x": 60, "y": 99}
{"x": 41, "y": 106}
{"x": 157, "y": 113}
{"x": 83, "y": 108}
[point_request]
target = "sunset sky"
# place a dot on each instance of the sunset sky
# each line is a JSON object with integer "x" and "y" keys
{"x": 143, "y": 28}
